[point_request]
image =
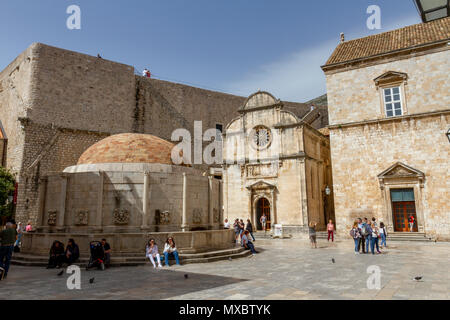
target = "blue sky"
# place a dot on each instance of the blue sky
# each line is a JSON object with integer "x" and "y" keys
{"x": 234, "y": 46}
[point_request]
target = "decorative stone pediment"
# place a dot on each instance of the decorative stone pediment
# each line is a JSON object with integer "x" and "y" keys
{"x": 391, "y": 77}
{"x": 261, "y": 185}
{"x": 401, "y": 171}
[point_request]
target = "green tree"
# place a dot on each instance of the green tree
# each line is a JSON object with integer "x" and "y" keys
{"x": 7, "y": 185}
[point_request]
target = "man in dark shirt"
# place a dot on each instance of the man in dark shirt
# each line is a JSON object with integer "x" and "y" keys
{"x": 107, "y": 249}
{"x": 8, "y": 237}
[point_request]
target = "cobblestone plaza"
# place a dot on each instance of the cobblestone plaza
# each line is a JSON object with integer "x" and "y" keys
{"x": 283, "y": 270}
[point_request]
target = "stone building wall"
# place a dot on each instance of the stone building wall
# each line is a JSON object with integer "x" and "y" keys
{"x": 353, "y": 95}
{"x": 361, "y": 153}
{"x": 364, "y": 142}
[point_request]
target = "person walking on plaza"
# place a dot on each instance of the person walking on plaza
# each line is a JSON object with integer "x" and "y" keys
{"x": 152, "y": 253}
{"x": 355, "y": 233}
{"x": 383, "y": 234}
{"x": 263, "y": 221}
{"x": 247, "y": 244}
{"x": 170, "y": 250}
{"x": 249, "y": 228}
{"x": 411, "y": 221}
{"x": 330, "y": 229}
{"x": 312, "y": 234}
{"x": 8, "y": 237}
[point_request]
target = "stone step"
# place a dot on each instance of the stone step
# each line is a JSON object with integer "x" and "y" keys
{"x": 233, "y": 253}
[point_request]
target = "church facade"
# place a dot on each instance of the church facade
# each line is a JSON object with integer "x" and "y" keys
{"x": 389, "y": 111}
{"x": 277, "y": 164}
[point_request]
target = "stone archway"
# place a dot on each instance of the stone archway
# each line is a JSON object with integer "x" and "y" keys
{"x": 257, "y": 192}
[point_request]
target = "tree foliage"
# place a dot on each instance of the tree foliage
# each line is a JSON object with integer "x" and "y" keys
{"x": 7, "y": 185}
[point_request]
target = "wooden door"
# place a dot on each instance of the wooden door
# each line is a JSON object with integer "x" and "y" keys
{"x": 402, "y": 211}
{"x": 263, "y": 206}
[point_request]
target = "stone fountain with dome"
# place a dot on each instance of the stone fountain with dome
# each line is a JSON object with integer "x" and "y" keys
{"x": 126, "y": 189}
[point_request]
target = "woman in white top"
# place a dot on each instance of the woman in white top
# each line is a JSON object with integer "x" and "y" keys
{"x": 170, "y": 250}
{"x": 151, "y": 252}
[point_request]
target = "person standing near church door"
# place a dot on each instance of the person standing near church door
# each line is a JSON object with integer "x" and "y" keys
{"x": 263, "y": 221}
{"x": 411, "y": 221}
{"x": 330, "y": 229}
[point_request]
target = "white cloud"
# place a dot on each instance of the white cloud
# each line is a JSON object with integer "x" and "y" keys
{"x": 298, "y": 76}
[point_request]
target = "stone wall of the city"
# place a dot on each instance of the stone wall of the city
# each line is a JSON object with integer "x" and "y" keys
{"x": 15, "y": 83}
{"x": 48, "y": 150}
{"x": 361, "y": 153}
{"x": 353, "y": 95}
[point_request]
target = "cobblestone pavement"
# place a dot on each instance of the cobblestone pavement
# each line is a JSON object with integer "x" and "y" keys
{"x": 284, "y": 269}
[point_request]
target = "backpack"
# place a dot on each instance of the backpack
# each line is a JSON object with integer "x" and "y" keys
{"x": 364, "y": 231}
{"x": 352, "y": 233}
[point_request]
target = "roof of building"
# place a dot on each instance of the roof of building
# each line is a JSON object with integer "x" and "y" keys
{"x": 392, "y": 41}
{"x": 129, "y": 148}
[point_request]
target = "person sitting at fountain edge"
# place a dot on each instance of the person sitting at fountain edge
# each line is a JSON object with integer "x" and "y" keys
{"x": 170, "y": 250}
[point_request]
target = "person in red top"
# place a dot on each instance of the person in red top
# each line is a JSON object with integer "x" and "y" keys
{"x": 411, "y": 223}
{"x": 147, "y": 73}
{"x": 330, "y": 229}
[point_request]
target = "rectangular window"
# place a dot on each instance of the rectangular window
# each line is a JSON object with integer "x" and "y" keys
{"x": 393, "y": 101}
{"x": 402, "y": 195}
{"x": 219, "y": 127}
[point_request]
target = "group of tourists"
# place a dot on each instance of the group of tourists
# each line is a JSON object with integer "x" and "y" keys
{"x": 60, "y": 256}
{"x": 170, "y": 250}
{"x": 367, "y": 234}
{"x": 313, "y": 234}
{"x": 243, "y": 232}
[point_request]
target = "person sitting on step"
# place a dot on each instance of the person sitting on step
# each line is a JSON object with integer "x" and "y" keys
{"x": 151, "y": 252}
{"x": 170, "y": 250}
{"x": 56, "y": 258}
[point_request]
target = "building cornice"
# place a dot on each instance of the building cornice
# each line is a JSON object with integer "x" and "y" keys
{"x": 392, "y": 119}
